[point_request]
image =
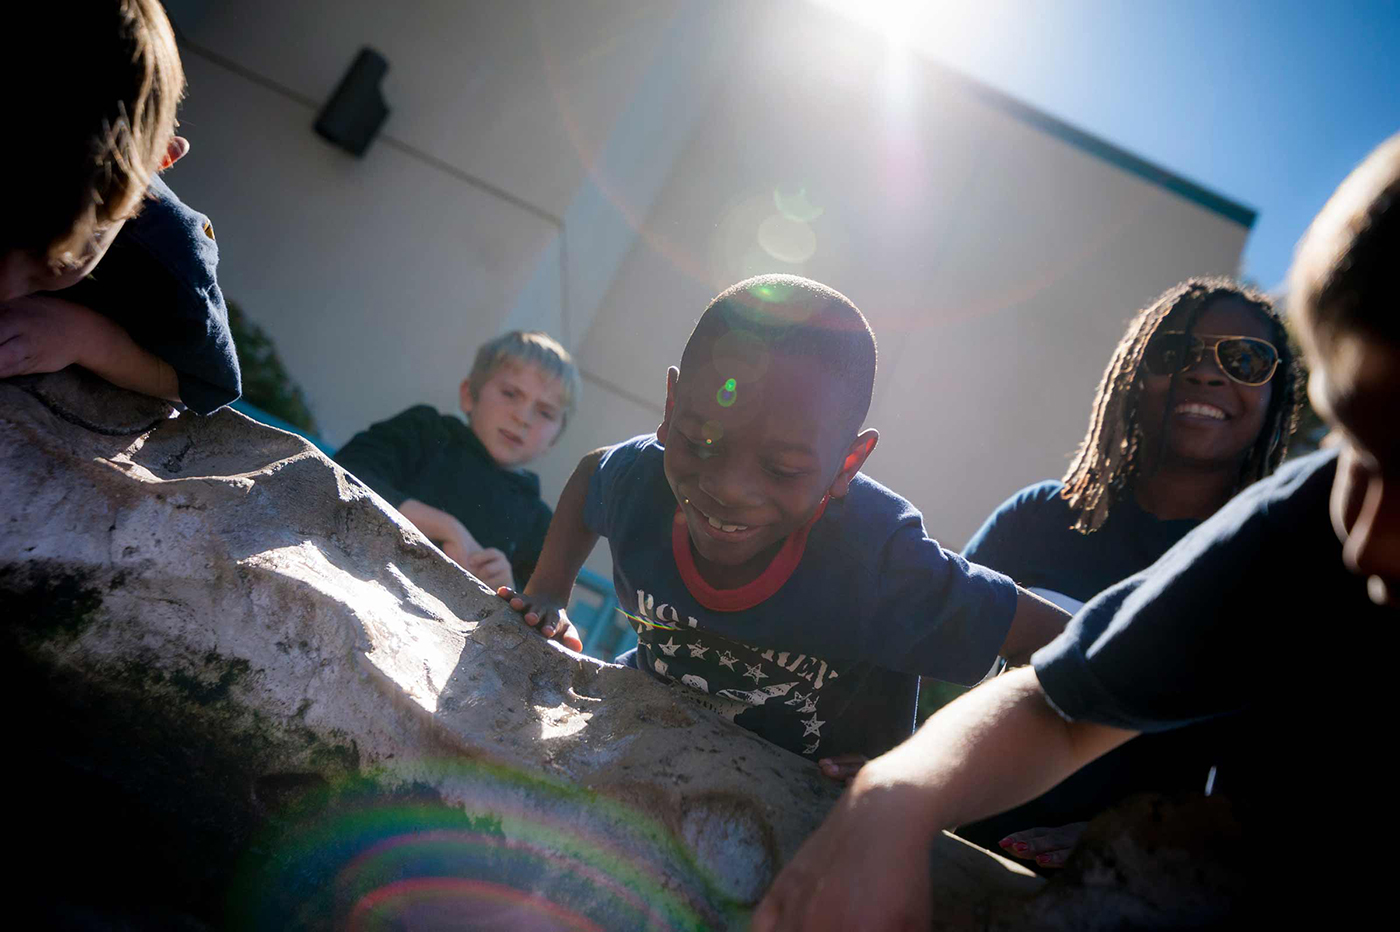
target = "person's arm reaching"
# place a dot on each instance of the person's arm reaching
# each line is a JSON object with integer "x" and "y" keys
{"x": 1036, "y": 623}
{"x": 39, "y": 333}
{"x": 989, "y": 750}
{"x": 442, "y": 529}
{"x": 569, "y": 542}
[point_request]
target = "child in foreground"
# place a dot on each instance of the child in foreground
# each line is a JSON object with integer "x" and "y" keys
{"x": 756, "y": 562}
{"x": 464, "y": 484}
{"x": 152, "y": 319}
{"x": 1294, "y": 582}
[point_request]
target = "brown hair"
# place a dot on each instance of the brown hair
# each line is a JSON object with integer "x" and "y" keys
{"x": 1346, "y": 275}
{"x": 1107, "y": 459}
{"x": 92, "y": 89}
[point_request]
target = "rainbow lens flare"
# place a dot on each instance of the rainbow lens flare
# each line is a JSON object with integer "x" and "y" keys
{"x": 468, "y": 845}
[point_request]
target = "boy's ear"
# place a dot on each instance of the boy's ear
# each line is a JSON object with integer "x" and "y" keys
{"x": 672, "y": 375}
{"x": 856, "y": 455}
{"x": 178, "y": 148}
{"x": 465, "y": 396}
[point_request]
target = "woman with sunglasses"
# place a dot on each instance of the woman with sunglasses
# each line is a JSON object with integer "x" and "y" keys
{"x": 1199, "y": 400}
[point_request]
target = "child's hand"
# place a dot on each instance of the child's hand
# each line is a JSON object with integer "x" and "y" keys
{"x": 552, "y": 622}
{"x": 39, "y": 333}
{"x": 843, "y": 767}
{"x": 458, "y": 543}
{"x": 1048, "y": 847}
{"x": 43, "y": 334}
{"x": 491, "y": 567}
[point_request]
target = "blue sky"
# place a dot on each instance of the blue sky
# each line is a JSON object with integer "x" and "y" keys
{"x": 1267, "y": 103}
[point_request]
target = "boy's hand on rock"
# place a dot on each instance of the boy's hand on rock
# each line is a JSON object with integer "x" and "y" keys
{"x": 491, "y": 567}
{"x": 843, "y": 767}
{"x": 43, "y": 334}
{"x": 1048, "y": 847}
{"x": 551, "y": 622}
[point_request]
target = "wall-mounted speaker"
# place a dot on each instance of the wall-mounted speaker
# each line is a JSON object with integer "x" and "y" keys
{"x": 356, "y": 110}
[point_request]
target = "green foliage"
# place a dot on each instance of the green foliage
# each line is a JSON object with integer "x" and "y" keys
{"x": 935, "y": 694}
{"x": 266, "y": 383}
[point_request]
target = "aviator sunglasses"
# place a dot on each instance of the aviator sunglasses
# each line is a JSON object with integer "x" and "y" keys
{"x": 1247, "y": 360}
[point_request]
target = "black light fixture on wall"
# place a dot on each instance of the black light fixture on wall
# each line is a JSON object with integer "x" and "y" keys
{"x": 356, "y": 110}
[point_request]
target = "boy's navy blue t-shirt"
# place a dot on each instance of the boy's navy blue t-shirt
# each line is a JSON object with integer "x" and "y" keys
{"x": 1031, "y": 539}
{"x": 1252, "y": 613}
{"x": 829, "y": 663}
{"x": 158, "y": 283}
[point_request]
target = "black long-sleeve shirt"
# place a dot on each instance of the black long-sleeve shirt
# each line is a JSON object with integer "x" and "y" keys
{"x": 438, "y": 460}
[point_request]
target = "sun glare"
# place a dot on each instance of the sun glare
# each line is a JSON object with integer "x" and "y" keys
{"x": 921, "y": 24}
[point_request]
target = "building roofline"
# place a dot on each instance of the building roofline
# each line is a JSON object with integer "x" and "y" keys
{"x": 1198, "y": 194}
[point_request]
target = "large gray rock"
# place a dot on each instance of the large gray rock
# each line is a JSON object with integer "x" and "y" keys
{"x": 253, "y": 694}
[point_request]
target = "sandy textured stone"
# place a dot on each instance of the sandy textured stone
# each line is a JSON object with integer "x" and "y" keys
{"x": 306, "y": 716}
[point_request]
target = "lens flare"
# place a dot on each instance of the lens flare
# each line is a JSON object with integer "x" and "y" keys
{"x": 728, "y": 394}
{"x": 464, "y": 844}
{"x": 787, "y": 240}
{"x": 793, "y": 203}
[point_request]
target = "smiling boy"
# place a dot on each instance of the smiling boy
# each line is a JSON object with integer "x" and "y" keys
{"x": 757, "y": 564}
{"x": 464, "y": 485}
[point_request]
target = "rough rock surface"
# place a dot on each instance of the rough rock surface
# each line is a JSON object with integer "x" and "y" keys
{"x": 247, "y": 695}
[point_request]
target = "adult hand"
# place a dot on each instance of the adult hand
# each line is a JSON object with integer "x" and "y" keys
{"x": 1048, "y": 847}
{"x": 491, "y": 567}
{"x": 39, "y": 333}
{"x": 867, "y": 867}
{"x": 541, "y": 614}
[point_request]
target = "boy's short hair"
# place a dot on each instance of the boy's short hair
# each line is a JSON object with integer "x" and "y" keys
{"x": 791, "y": 315}
{"x": 1346, "y": 274}
{"x": 92, "y": 89}
{"x": 532, "y": 347}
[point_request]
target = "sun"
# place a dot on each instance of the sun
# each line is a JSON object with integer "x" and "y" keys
{"x": 908, "y": 23}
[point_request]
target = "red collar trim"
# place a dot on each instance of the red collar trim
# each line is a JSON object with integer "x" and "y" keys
{"x": 745, "y": 597}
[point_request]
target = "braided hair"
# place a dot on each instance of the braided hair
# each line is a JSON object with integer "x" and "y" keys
{"x": 1108, "y": 458}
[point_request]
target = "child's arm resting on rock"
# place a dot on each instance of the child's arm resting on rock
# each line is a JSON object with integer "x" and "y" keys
{"x": 569, "y": 542}
{"x": 39, "y": 333}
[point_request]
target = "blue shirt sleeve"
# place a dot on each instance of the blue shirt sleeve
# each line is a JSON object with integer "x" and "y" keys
{"x": 1166, "y": 647}
{"x": 194, "y": 338}
{"x": 607, "y": 487}
{"x": 941, "y": 615}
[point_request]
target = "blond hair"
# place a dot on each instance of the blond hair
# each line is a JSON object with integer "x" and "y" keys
{"x": 529, "y": 347}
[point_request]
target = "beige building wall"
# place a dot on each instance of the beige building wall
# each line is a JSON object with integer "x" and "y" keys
{"x": 601, "y": 169}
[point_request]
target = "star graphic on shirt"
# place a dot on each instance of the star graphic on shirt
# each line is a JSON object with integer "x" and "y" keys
{"x": 811, "y": 748}
{"x": 756, "y": 672}
{"x": 670, "y": 647}
{"x": 810, "y": 726}
{"x": 697, "y": 649}
{"x": 798, "y": 698}
{"x": 727, "y": 659}
{"x": 808, "y": 707}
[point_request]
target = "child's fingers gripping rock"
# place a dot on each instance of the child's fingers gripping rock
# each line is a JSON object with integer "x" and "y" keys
{"x": 551, "y": 622}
